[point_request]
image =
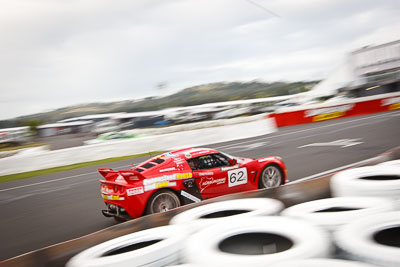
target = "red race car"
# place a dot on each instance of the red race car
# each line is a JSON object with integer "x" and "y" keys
{"x": 184, "y": 176}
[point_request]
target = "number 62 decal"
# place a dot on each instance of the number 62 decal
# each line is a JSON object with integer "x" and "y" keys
{"x": 237, "y": 177}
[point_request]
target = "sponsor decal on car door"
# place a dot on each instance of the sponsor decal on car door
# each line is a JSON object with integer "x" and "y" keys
{"x": 211, "y": 182}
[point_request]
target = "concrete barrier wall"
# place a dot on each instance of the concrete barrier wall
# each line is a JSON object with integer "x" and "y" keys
{"x": 170, "y": 141}
{"x": 342, "y": 109}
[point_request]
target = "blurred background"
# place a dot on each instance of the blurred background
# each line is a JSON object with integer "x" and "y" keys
{"x": 92, "y": 67}
{"x": 89, "y": 74}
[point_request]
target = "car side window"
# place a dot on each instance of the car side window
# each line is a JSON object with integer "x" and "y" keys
{"x": 223, "y": 160}
{"x": 209, "y": 161}
{"x": 194, "y": 163}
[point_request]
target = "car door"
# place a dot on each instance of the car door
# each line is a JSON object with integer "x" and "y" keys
{"x": 240, "y": 175}
{"x": 211, "y": 175}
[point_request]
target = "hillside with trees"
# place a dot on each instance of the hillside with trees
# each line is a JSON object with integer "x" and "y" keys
{"x": 207, "y": 93}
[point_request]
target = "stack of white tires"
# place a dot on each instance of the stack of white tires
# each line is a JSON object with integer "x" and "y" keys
{"x": 260, "y": 241}
{"x": 374, "y": 239}
{"x": 200, "y": 217}
{"x": 159, "y": 246}
{"x": 394, "y": 163}
{"x": 379, "y": 180}
{"x": 332, "y": 213}
{"x": 322, "y": 263}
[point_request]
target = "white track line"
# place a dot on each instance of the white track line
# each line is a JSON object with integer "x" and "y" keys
{"x": 55, "y": 180}
{"x": 332, "y": 170}
{"x": 45, "y": 182}
{"x": 306, "y": 130}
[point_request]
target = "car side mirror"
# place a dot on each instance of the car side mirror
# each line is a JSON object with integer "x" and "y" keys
{"x": 233, "y": 162}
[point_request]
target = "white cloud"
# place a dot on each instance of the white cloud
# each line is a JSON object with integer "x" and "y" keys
{"x": 58, "y": 53}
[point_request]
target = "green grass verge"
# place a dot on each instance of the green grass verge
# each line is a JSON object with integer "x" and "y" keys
{"x": 24, "y": 175}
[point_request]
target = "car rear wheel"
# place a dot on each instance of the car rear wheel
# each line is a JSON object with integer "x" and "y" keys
{"x": 270, "y": 177}
{"x": 163, "y": 200}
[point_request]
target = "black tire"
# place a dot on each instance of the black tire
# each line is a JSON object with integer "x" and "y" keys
{"x": 271, "y": 176}
{"x": 162, "y": 200}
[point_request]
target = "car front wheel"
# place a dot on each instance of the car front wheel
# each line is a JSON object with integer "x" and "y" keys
{"x": 163, "y": 200}
{"x": 270, "y": 177}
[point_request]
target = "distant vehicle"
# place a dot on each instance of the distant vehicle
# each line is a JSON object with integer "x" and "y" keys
{"x": 184, "y": 176}
{"x": 191, "y": 117}
{"x": 111, "y": 136}
{"x": 162, "y": 123}
{"x": 184, "y": 116}
{"x": 337, "y": 99}
{"x": 14, "y": 136}
{"x": 285, "y": 104}
{"x": 266, "y": 109}
{"x": 231, "y": 113}
{"x": 105, "y": 126}
{"x": 127, "y": 125}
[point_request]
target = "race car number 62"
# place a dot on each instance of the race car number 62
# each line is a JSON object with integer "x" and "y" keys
{"x": 237, "y": 177}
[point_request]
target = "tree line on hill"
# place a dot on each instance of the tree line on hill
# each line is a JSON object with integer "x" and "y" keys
{"x": 197, "y": 95}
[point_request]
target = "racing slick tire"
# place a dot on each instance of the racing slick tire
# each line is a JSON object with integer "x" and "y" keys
{"x": 159, "y": 246}
{"x": 331, "y": 213}
{"x": 162, "y": 200}
{"x": 373, "y": 239}
{"x": 202, "y": 216}
{"x": 322, "y": 262}
{"x": 379, "y": 181}
{"x": 271, "y": 176}
{"x": 259, "y": 241}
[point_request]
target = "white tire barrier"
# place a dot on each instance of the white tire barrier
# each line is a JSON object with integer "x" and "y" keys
{"x": 322, "y": 263}
{"x": 374, "y": 239}
{"x": 259, "y": 241}
{"x": 391, "y": 163}
{"x": 184, "y": 265}
{"x": 379, "y": 181}
{"x": 159, "y": 246}
{"x": 209, "y": 214}
{"x": 331, "y": 213}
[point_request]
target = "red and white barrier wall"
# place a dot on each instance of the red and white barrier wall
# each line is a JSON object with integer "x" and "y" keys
{"x": 342, "y": 109}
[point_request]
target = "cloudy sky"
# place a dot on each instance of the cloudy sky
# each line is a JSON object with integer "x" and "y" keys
{"x": 64, "y": 52}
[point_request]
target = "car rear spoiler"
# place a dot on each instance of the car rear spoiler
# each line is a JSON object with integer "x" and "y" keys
{"x": 128, "y": 175}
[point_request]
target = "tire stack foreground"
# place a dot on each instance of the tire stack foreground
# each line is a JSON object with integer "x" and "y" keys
{"x": 359, "y": 227}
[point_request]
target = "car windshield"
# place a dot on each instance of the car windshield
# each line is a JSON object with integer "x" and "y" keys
{"x": 209, "y": 161}
{"x": 239, "y": 160}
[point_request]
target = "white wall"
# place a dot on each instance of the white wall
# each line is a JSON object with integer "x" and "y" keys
{"x": 170, "y": 141}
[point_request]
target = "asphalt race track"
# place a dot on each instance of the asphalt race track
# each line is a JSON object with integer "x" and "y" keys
{"x": 49, "y": 209}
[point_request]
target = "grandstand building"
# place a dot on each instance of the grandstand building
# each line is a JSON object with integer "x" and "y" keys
{"x": 370, "y": 70}
{"x": 377, "y": 69}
